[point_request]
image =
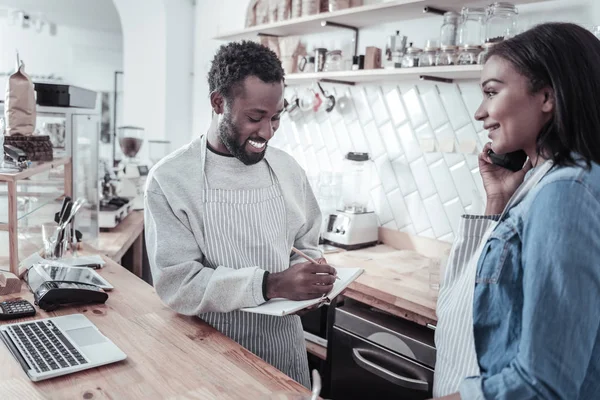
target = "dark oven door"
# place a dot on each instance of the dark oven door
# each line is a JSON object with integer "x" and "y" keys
{"x": 363, "y": 370}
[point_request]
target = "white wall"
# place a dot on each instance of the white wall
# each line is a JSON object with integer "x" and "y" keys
{"x": 157, "y": 81}
{"x": 144, "y": 54}
{"x": 81, "y": 57}
{"x": 179, "y": 71}
{"x": 422, "y": 193}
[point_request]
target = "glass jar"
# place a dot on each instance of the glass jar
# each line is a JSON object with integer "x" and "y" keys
{"x": 446, "y": 56}
{"x": 333, "y": 61}
{"x": 336, "y": 5}
{"x": 468, "y": 55}
{"x": 448, "y": 30}
{"x": 411, "y": 57}
{"x": 471, "y": 28}
{"x": 428, "y": 57}
{"x": 501, "y": 22}
{"x": 486, "y": 49}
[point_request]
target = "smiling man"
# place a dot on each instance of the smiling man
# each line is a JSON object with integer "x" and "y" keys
{"x": 223, "y": 213}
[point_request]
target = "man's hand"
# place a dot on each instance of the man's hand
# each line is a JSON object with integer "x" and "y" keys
{"x": 301, "y": 282}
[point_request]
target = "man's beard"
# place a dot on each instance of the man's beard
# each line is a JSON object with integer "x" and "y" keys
{"x": 229, "y": 134}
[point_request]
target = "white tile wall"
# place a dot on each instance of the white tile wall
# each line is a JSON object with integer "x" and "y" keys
{"x": 417, "y": 212}
{"x": 390, "y": 140}
{"x": 395, "y": 105}
{"x": 433, "y": 106}
{"x": 423, "y": 183}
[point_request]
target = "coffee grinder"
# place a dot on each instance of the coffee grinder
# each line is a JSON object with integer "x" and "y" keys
{"x": 131, "y": 172}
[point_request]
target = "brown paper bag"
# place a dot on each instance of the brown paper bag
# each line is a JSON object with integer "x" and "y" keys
{"x": 19, "y": 108}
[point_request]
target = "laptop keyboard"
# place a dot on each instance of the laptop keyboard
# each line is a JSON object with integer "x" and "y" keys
{"x": 44, "y": 346}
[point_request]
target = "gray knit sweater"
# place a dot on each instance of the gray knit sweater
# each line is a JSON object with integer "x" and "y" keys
{"x": 175, "y": 241}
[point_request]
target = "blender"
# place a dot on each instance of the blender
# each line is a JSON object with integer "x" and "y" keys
{"x": 132, "y": 172}
{"x": 353, "y": 226}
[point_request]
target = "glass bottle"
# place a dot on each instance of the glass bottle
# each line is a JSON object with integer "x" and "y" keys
{"x": 471, "y": 28}
{"x": 501, "y": 21}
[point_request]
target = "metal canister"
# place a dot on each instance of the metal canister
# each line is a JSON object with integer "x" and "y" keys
{"x": 320, "y": 57}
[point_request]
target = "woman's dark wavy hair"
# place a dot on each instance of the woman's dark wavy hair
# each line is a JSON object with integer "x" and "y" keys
{"x": 566, "y": 58}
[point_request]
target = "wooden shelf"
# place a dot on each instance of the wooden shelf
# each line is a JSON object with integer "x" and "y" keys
{"x": 357, "y": 17}
{"x": 35, "y": 168}
{"x": 456, "y": 72}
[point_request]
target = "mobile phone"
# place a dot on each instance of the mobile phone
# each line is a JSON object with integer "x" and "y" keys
{"x": 513, "y": 161}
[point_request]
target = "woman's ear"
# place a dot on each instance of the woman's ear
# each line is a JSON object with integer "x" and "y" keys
{"x": 549, "y": 100}
{"x": 217, "y": 102}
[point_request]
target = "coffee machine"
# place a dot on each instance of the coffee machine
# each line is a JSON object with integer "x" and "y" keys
{"x": 353, "y": 226}
{"x": 112, "y": 208}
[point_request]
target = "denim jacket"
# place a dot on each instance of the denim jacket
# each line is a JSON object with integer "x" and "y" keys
{"x": 536, "y": 306}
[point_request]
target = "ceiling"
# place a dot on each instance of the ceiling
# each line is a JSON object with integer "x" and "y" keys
{"x": 98, "y": 15}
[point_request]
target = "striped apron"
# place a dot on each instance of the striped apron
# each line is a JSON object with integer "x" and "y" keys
{"x": 456, "y": 358}
{"x": 246, "y": 228}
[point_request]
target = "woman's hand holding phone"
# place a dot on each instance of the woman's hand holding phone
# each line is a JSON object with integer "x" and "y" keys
{"x": 499, "y": 183}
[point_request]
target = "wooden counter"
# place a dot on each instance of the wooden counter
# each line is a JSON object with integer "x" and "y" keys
{"x": 115, "y": 242}
{"x": 169, "y": 355}
{"x": 396, "y": 277}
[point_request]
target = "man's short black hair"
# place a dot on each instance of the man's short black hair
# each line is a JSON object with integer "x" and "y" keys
{"x": 236, "y": 61}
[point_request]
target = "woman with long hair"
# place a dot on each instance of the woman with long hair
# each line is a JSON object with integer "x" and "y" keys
{"x": 519, "y": 309}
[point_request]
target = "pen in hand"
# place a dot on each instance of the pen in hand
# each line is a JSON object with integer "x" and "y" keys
{"x": 301, "y": 254}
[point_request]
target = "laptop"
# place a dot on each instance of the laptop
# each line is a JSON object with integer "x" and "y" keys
{"x": 51, "y": 347}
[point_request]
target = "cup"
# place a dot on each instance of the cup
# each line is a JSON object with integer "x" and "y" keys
{"x": 53, "y": 249}
{"x": 434, "y": 273}
{"x": 50, "y": 233}
{"x": 437, "y": 270}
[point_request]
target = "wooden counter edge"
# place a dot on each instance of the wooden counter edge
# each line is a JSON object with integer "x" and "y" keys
{"x": 129, "y": 229}
{"x": 398, "y": 311}
{"x": 316, "y": 350}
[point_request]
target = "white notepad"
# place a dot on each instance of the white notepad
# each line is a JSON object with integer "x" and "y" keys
{"x": 281, "y": 307}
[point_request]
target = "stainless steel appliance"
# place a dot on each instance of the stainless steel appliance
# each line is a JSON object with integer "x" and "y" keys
{"x": 378, "y": 356}
{"x": 353, "y": 226}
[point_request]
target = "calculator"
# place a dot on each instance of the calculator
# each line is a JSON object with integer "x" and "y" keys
{"x": 13, "y": 309}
